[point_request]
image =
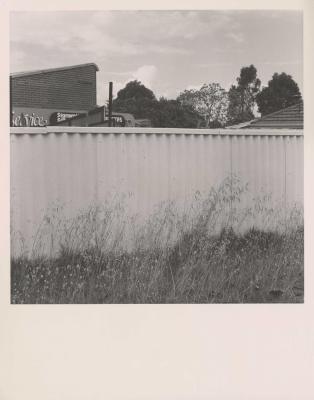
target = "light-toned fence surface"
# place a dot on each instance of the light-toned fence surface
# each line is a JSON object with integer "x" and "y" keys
{"x": 74, "y": 168}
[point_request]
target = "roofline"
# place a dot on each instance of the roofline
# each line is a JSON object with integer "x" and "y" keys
{"x": 248, "y": 124}
{"x": 282, "y": 109}
{"x": 44, "y": 71}
{"x": 241, "y": 124}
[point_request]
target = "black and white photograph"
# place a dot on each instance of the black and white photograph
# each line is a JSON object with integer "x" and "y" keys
{"x": 156, "y": 156}
{"x": 156, "y": 200}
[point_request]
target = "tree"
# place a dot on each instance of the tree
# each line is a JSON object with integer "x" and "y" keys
{"x": 242, "y": 96}
{"x": 141, "y": 102}
{"x": 135, "y": 90}
{"x": 173, "y": 114}
{"x": 210, "y": 102}
{"x": 135, "y": 99}
{"x": 282, "y": 91}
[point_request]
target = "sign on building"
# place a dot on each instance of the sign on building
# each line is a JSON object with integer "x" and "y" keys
{"x": 31, "y": 120}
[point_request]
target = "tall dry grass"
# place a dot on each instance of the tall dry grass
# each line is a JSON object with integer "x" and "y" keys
{"x": 209, "y": 253}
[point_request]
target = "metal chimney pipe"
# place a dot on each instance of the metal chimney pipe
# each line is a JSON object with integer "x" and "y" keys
{"x": 110, "y": 104}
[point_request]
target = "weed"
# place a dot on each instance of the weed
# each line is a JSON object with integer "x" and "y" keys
{"x": 198, "y": 255}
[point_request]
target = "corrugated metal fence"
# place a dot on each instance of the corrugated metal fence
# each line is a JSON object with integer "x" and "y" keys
{"x": 74, "y": 168}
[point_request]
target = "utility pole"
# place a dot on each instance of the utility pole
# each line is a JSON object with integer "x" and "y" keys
{"x": 110, "y": 104}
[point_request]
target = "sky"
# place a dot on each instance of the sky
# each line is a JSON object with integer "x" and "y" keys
{"x": 168, "y": 51}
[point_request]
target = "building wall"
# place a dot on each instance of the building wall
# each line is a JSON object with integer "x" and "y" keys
{"x": 68, "y": 89}
{"x": 62, "y": 171}
{"x": 43, "y": 113}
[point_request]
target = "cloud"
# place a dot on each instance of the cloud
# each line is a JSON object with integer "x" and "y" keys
{"x": 236, "y": 37}
{"x": 84, "y": 32}
{"x": 146, "y": 74}
{"x": 159, "y": 25}
{"x": 90, "y": 35}
{"x": 165, "y": 49}
{"x": 194, "y": 87}
{"x": 96, "y": 33}
{"x": 280, "y": 63}
{"x": 214, "y": 64}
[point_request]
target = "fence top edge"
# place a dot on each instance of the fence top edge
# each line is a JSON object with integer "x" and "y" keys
{"x": 156, "y": 131}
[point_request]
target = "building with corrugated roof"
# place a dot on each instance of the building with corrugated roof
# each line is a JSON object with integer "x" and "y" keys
{"x": 42, "y": 97}
{"x": 60, "y": 96}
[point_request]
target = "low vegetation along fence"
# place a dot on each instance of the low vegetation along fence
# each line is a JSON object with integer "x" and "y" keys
{"x": 152, "y": 197}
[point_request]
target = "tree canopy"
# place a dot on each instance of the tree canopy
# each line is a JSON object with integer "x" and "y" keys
{"x": 210, "y": 102}
{"x": 282, "y": 91}
{"x": 140, "y": 101}
{"x": 173, "y": 114}
{"x": 210, "y": 106}
{"x": 135, "y": 99}
{"x": 243, "y": 95}
{"x": 135, "y": 90}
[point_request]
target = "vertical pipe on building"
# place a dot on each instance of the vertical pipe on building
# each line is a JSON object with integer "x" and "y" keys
{"x": 110, "y": 104}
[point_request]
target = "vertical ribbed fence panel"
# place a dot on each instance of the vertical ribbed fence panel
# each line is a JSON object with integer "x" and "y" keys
{"x": 66, "y": 171}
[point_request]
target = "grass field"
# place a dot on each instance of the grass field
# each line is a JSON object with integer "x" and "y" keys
{"x": 255, "y": 267}
{"x": 173, "y": 258}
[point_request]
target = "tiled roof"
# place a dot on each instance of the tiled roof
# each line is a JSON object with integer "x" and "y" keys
{"x": 241, "y": 124}
{"x": 44, "y": 71}
{"x": 287, "y": 118}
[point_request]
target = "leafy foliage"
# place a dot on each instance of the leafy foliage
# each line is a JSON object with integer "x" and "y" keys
{"x": 282, "y": 91}
{"x": 140, "y": 101}
{"x": 210, "y": 106}
{"x": 243, "y": 95}
{"x": 135, "y": 99}
{"x": 210, "y": 102}
{"x": 135, "y": 90}
{"x": 173, "y": 114}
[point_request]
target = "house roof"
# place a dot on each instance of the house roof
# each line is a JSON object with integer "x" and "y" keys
{"x": 44, "y": 71}
{"x": 289, "y": 117}
{"x": 241, "y": 124}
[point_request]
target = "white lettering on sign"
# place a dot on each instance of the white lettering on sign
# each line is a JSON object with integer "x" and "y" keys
{"x": 28, "y": 120}
{"x": 116, "y": 118}
{"x": 63, "y": 116}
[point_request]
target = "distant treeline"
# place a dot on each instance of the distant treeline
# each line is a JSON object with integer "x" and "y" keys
{"x": 211, "y": 106}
